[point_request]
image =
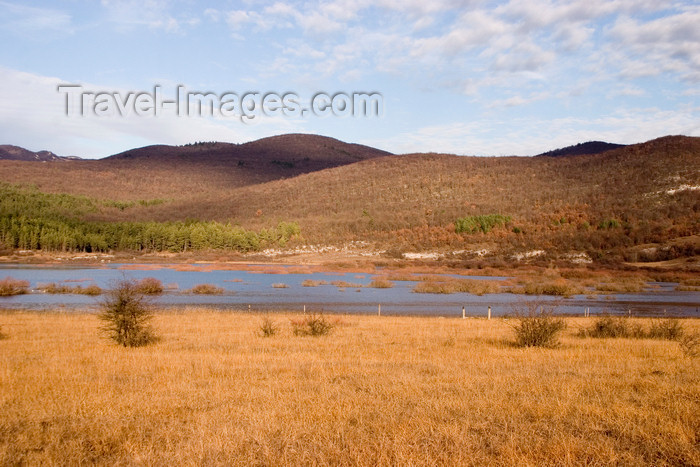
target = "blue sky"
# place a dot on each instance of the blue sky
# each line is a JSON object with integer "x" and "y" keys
{"x": 460, "y": 76}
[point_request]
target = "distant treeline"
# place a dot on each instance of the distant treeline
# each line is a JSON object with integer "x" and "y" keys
{"x": 32, "y": 220}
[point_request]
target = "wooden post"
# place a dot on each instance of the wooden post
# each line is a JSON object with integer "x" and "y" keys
{"x": 489, "y": 316}
{"x": 304, "y": 309}
{"x": 248, "y": 308}
{"x": 379, "y": 310}
{"x": 464, "y": 315}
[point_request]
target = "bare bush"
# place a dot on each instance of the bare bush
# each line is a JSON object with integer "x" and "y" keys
{"x": 690, "y": 344}
{"x": 618, "y": 327}
{"x": 268, "y": 328}
{"x": 150, "y": 286}
{"x": 381, "y": 283}
{"x": 206, "y": 289}
{"x": 11, "y": 286}
{"x": 537, "y": 326}
{"x": 54, "y": 288}
{"x": 608, "y": 326}
{"x": 312, "y": 325}
{"x": 670, "y": 329}
{"x": 126, "y": 312}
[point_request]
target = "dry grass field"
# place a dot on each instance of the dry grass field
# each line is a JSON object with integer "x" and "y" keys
{"x": 376, "y": 391}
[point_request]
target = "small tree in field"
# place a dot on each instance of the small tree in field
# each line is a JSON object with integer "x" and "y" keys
{"x": 126, "y": 312}
{"x": 537, "y": 326}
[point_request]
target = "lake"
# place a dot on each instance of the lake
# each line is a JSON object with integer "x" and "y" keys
{"x": 251, "y": 287}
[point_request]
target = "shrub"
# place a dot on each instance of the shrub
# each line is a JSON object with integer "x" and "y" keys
{"x": 538, "y": 328}
{"x": 622, "y": 285}
{"x": 312, "y": 325}
{"x": 608, "y": 326}
{"x": 613, "y": 327}
{"x": 2, "y": 335}
{"x": 126, "y": 312}
{"x": 690, "y": 344}
{"x": 472, "y": 286}
{"x": 206, "y": 289}
{"x": 313, "y": 283}
{"x": 433, "y": 287}
{"x": 90, "y": 290}
{"x": 280, "y": 285}
{"x": 54, "y": 288}
{"x": 150, "y": 286}
{"x": 608, "y": 224}
{"x": 381, "y": 284}
{"x": 10, "y": 286}
{"x": 268, "y": 328}
{"x": 346, "y": 284}
{"x": 557, "y": 288}
{"x": 474, "y": 224}
{"x": 669, "y": 329}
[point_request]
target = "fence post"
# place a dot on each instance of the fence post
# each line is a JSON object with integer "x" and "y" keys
{"x": 379, "y": 310}
{"x": 464, "y": 315}
{"x": 489, "y": 316}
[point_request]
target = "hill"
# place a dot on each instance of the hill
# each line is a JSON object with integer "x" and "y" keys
{"x": 582, "y": 149}
{"x": 639, "y": 194}
{"x": 638, "y": 202}
{"x": 195, "y": 169}
{"x": 16, "y": 153}
{"x": 301, "y": 151}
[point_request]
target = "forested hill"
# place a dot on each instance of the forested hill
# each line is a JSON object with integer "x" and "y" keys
{"x": 640, "y": 201}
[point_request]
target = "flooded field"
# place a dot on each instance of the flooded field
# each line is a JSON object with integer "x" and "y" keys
{"x": 283, "y": 288}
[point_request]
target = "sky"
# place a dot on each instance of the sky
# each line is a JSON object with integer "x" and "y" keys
{"x": 467, "y": 77}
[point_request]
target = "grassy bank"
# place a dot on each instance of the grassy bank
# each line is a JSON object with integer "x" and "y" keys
{"x": 376, "y": 391}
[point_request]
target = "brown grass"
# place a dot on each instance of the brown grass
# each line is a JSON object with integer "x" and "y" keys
{"x": 378, "y": 391}
{"x": 11, "y": 286}
{"x": 448, "y": 286}
{"x": 150, "y": 286}
{"x": 206, "y": 289}
{"x": 54, "y": 288}
{"x": 313, "y": 283}
{"x": 557, "y": 287}
{"x": 381, "y": 283}
{"x": 345, "y": 284}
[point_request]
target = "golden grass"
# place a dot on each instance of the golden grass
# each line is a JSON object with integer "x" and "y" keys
{"x": 377, "y": 391}
{"x": 11, "y": 286}
{"x": 206, "y": 289}
{"x": 448, "y": 286}
{"x": 381, "y": 283}
{"x": 313, "y": 283}
{"x": 53, "y": 288}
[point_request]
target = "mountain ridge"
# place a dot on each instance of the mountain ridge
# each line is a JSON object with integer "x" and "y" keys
{"x": 610, "y": 205}
{"x": 582, "y": 149}
{"x": 17, "y": 153}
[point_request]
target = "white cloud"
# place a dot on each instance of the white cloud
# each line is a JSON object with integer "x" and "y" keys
{"x": 154, "y": 14}
{"x": 33, "y": 116}
{"x": 670, "y": 44}
{"x": 33, "y": 21}
{"x": 535, "y": 135}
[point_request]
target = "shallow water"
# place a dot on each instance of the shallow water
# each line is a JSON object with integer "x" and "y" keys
{"x": 253, "y": 289}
